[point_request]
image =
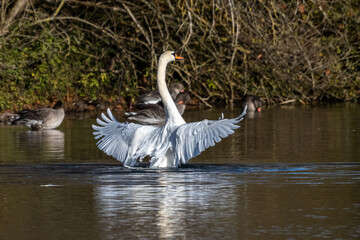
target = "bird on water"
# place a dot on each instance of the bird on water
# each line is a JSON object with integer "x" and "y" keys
{"x": 153, "y": 97}
{"x": 252, "y": 102}
{"x": 154, "y": 114}
{"x": 170, "y": 145}
{"x": 43, "y": 118}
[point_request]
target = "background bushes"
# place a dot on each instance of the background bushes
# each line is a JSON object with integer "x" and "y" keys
{"x": 107, "y": 50}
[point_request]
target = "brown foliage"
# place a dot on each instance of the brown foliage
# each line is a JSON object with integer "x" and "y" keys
{"x": 279, "y": 50}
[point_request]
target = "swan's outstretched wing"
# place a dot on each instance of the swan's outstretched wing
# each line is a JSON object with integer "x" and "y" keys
{"x": 193, "y": 138}
{"x": 124, "y": 141}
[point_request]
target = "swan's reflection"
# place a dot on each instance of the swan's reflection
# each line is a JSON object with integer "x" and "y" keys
{"x": 47, "y": 145}
{"x": 163, "y": 203}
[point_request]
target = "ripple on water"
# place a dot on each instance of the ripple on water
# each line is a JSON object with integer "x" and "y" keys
{"x": 336, "y": 173}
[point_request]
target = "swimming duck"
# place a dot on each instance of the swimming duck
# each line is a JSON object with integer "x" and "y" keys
{"x": 43, "y": 118}
{"x": 7, "y": 117}
{"x": 252, "y": 102}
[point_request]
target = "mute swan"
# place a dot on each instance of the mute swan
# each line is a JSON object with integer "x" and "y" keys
{"x": 43, "y": 118}
{"x": 252, "y": 102}
{"x": 153, "y": 97}
{"x": 154, "y": 114}
{"x": 170, "y": 145}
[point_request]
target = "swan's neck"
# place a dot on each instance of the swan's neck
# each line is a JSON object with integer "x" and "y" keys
{"x": 172, "y": 114}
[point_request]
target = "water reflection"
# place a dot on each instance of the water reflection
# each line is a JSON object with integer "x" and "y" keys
{"x": 252, "y": 115}
{"x": 161, "y": 201}
{"x": 46, "y": 144}
{"x": 100, "y": 201}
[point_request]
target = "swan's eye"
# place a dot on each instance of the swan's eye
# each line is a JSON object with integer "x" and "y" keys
{"x": 173, "y": 53}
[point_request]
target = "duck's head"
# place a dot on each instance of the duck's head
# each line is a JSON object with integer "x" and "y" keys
{"x": 58, "y": 105}
{"x": 183, "y": 98}
{"x": 170, "y": 56}
{"x": 252, "y": 102}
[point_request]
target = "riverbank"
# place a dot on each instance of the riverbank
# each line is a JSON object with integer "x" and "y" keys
{"x": 86, "y": 106}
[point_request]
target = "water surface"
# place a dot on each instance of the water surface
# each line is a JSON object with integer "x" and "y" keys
{"x": 287, "y": 173}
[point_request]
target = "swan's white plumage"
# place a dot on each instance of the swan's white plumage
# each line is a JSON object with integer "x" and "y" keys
{"x": 170, "y": 145}
{"x": 193, "y": 138}
{"x": 124, "y": 141}
{"x": 129, "y": 142}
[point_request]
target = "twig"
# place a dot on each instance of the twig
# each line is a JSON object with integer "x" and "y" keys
{"x": 137, "y": 24}
{"x": 288, "y": 101}
{"x": 53, "y": 16}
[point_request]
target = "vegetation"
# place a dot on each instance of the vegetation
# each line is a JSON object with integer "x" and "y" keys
{"x": 107, "y": 50}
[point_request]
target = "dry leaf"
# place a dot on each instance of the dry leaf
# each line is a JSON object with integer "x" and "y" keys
{"x": 302, "y": 8}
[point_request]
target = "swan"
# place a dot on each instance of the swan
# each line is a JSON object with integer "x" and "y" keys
{"x": 168, "y": 146}
{"x": 153, "y": 97}
{"x": 43, "y": 118}
{"x": 154, "y": 114}
{"x": 252, "y": 102}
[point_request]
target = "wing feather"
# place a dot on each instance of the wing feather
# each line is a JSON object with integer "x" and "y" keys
{"x": 124, "y": 141}
{"x": 194, "y": 138}
{"x": 101, "y": 122}
{"x": 105, "y": 118}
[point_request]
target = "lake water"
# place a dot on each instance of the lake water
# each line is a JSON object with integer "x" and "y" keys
{"x": 287, "y": 173}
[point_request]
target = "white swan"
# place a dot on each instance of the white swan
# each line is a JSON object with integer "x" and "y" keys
{"x": 170, "y": 145}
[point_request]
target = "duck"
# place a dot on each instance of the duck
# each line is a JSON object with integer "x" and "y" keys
{"x": 170, "y": 145}
{"x": 252, "y": 102}
{"x": 154, "y": 114}
{"x": 7, "y": 117}
{"x": 43, "y": 118}
{"x": 153, "y": 97}
{"x": 182, "y": 99}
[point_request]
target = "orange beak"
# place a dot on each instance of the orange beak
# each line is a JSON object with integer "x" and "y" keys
{"x": 181, "y": 102}
{"x": 259, "y": 109}
{"x": 177, "y": 57}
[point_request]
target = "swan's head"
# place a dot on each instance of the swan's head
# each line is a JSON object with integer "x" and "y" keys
{"x": 170, "y": 56}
